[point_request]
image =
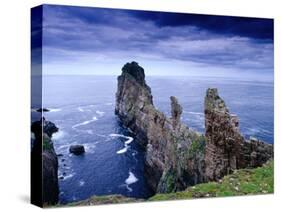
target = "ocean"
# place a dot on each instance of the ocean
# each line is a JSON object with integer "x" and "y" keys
{"x": 83, "y": 109}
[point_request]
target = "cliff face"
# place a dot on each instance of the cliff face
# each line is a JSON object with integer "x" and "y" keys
{"x": 170, "y": 165}
{"x": 226, "y": 148}
{"x": 177, "y": 157}
{"x": 50, "y": 187}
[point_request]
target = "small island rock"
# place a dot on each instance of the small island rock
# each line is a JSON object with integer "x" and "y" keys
{"x": 77, "y": 149}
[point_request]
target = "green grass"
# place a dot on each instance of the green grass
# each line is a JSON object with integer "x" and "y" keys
{"x": 47, "y": 145}
{"x": 108, "y": 199}
{"x": 167, "y": 182}
{"x": 241, "y": 182}
{"x": 197, "y": 146}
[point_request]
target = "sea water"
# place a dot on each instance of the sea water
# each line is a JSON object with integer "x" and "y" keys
{"x": 83, "y": 109}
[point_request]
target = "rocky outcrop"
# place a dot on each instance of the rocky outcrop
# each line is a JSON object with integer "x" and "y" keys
{"x": 176, "y": 156}
{"x": 176, "y": 111}
{"x": 48, "y": 158}
{"x": 77, "y": 149}
{"x": 226, "y": 149}
{"x": 167, "y": 140}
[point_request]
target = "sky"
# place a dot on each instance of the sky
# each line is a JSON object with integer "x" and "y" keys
{"x": 96, "y": 41}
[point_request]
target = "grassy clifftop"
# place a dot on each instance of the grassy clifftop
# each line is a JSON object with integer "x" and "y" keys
{"x": 107, "y": 199}
{"x": 241, "y": 182}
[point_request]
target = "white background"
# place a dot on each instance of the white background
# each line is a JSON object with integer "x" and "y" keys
{"x": 15, "y": 101}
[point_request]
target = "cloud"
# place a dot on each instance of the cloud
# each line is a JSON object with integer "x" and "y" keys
{"x": 107, "y": 35}
{"x": 258, "y": 28}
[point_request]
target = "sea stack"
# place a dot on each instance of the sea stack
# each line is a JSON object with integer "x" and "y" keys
{"x": 176, "y": 111}
{"x": 166, "y": 140}
{"x": 226, "y": 148}
{"x": 176, "y": 156}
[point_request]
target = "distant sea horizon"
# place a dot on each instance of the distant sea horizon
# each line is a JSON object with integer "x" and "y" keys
{"x": 266, "y": 78}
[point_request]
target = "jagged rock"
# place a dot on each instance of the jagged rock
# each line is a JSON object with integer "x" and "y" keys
{"x": 176, "y": 156}
{"x": 46, "y": 160}
{"x": 226, "y": 148}
{"x": 176, "y": 111}
{"x": 135, "y": 71}
{"x": 77, "y": 149}
{"x": 50, "y": 172}
{"x": 48, "y": 127}
{"x": 167, "y": 141}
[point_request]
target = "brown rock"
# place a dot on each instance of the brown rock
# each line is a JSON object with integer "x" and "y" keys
{"x": 166, "y": 140}
{"x": 226, "y": 148}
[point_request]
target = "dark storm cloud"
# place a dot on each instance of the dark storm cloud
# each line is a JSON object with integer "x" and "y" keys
{"x": 207, "y": 40}
{"x": 241, "y": 26}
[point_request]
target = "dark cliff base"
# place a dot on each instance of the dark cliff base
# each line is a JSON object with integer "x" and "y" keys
{"x": 44, "y": 165}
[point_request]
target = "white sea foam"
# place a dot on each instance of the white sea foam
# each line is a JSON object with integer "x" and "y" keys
{"x": 85, "y": 122}
{"x": 85, "y": 108}
{"x": 121, "y": 151}
{"x": 100, "y": 113}
{"x": 81, "y": 183}
{"x": 58, "y": 135}
{"x": 54, "y": 109}
{"x": 80, "y": 109}
{"x": 68, "y": 176}
{"x": 129, "y": 140}
{"x": 195, "y": 113}
{"x": 131, "y": 179}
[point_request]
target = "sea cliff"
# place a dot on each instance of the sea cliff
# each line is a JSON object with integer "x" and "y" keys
{"x": 43, "y": 152}
{"x": 176, "y": 156}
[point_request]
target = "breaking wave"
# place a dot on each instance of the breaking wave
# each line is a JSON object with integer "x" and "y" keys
{"x": 127, "y": 142}
{"x": 85, "y": 122}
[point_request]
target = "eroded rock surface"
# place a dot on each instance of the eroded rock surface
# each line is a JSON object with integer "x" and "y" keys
{"x": 176, "y": 156}
{"x": 226, "y": 148}
{"x": 167, "y": 140}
